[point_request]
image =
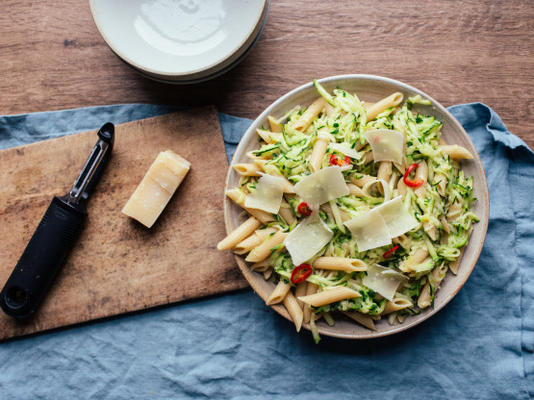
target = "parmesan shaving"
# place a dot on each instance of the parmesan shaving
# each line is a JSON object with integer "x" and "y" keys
{"x": 268, "y": 194}
{"x": 322, "y": 186}
{"x": 382, "y": 281}
{"x": 369, "y": 230}
{"x": 386, "y": 145}
{"x": 344, "y": 148}
{"x": 307, "y": 239}
{"x": 398, "y": 218}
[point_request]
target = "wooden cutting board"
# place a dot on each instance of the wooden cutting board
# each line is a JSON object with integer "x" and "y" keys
{"x": 118, "y": 265}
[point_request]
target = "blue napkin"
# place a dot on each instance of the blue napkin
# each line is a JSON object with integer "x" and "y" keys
{"x": 478, "y": 347}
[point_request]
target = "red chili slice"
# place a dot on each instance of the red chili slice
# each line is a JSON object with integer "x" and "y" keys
{"x": 339, "y": 161}
{"x": 301, "y": 273}
{"x": 412, "y": 183}
{"x": 304, "y": 209}
{"x": 390, "y": 252}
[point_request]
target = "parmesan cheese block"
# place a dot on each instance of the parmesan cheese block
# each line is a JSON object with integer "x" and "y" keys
{"x": 322, "y": 186}
{"x": 398, "y": 218}
{"x": 157, "y": 187}
{"x": 386, "y": 145}
{"x": 268, "y": 194}
{"x": 307, "y": 239}
{"x": 382, "y": 280}
{"x": 369, "y": 230}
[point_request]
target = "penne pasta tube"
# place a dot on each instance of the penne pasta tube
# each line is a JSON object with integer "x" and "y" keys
{"x": 396, "y": 305}
{"x": 262, "y": 251}
{"x": 268, "y": 136}
{"x": 286, "y": 213}
{"x": 425, "y": 298}
{"x": 261, "y": 266}
{"x": 384, "y": 172}
{"x": 274, "y": 124}
{"x": 330, "y": 110}
{"x": 267, "y": 274}
{"x": 238, "y": 196}
{"x": 300, "y": 290}
{"x": 362, "y": 319}
{"x": 245, "y": 169}
{"x": 380, "y": 106}
{"x": 318, "y": 152}
{"x": 310, "y": 114}
{"x": 239, "y": 233}
{"x": 340, "y": 264}
{"x": 421, "y": 174}
{"x": 253, "y": 240}
{"x": 401, "y": 187}
{"x": 293, "y": 308}
{"x": 279, "y": 293}
{"x": 307, "y": 311}
{"x": 361, "y": 182}
{"x": 456, "y": 152}
{"x": 330, "y": 296}
{"x": 455, "y": 210}
{"x": 355, "y": 190}
{"x": 441, "y": 181}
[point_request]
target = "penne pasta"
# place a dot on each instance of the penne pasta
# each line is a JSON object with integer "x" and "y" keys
{"x": 300, "y": 290}
{"x": 274, "y": 124}
{"x": 238, "y": 196}
{"x": 294, "y": 310}
{"x": 239, "y": 233}
{"x": 380, "y": 106}
{"x": 425, "y": 298}
{"x": 396, "y": 305}
{"x": 286, "y": 213}
{"x": 330, "y": 296}
{"x": 279, "y": 293}
{"x": 456, "y": 152}
{"x": 318, "y": 152}
{"x": 307, "y": 311}
{"x": 253, "y": 240}
{"x": 362, "y": 319}
{"x": 310, "y": 114}
{"x": 263, "y": 250}
{"x": 340, "y": 264}
{"x": 268, "y": 136}
{"x": 245, "y": 169}
{"x": 355, "y": 190}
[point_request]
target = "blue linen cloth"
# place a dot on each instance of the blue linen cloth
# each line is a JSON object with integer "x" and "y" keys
{"x": 234, "y": 347}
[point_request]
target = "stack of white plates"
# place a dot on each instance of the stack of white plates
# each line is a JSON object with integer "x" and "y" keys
{"x": 180, "y": 41}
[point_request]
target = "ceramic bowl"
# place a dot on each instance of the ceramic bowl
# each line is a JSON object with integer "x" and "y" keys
{"x": 370, "y": 88}
{"x": 180, "y": 41}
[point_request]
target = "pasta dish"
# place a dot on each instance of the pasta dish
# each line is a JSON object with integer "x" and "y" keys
{"x": 353, "y": 208}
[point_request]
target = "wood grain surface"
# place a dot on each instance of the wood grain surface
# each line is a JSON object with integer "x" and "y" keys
{"x": 52, "y": 56}
{"x": 118, "y": 265}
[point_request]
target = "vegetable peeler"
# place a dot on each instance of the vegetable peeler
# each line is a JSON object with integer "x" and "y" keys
{"x": 55, "y": 235}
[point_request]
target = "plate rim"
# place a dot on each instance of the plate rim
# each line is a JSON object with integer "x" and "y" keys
{"x": 245, "y": 270}
{"x": 262, "y": 16}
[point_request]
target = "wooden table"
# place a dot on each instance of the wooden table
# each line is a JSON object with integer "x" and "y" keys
{"x": 52, "y": 56}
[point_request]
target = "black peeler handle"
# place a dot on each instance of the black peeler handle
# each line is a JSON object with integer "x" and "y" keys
{"x": 42, "y": 259}
{"x": 55, "y": 235}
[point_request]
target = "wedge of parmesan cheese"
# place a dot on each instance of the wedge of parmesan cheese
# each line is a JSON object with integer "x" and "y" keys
{"x": 268, "y": 194}
{"x": 369, "y": 230}
{"x": 382, "y": 280}
{"x": 398, "y": 218}
{"x": 386, "y": 145}
{"x": 157, "y": 187}
{"x": 307, "y": 239}
{"x": 322, "y": 186}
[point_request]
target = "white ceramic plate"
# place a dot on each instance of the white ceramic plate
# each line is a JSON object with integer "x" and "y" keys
{"x": 370, "y": 88}
{"x": 174, "y": 39}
